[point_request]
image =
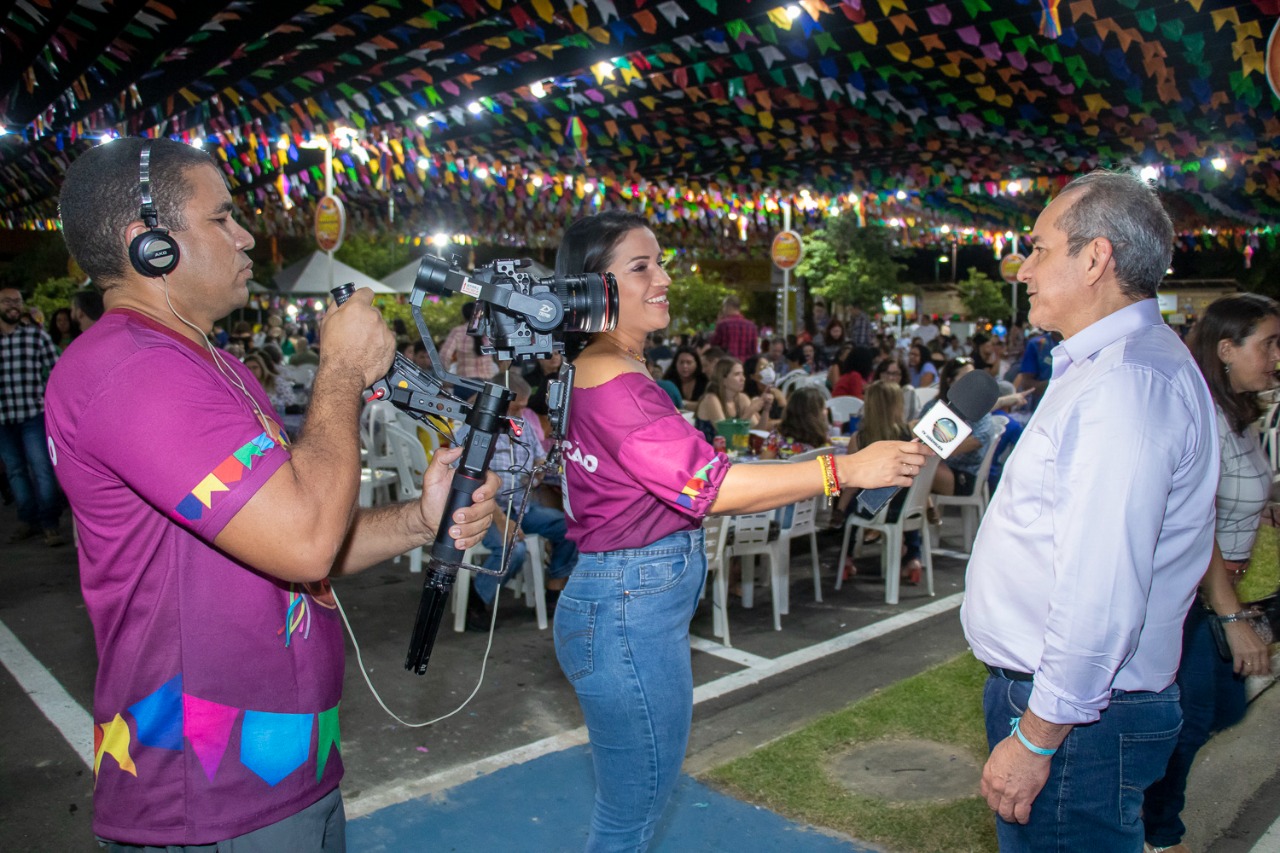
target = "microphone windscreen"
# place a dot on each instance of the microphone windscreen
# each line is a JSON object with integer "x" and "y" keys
{"x": 973, "y": 395}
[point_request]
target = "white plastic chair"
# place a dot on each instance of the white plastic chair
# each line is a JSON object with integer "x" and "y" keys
{"x": 716, "y": 530}
{"x": 411, "y": 463}
{"x": 912, "y": 517}
{"x": 843, "y": 408}
{"x": 531, "y": 581}
{"x": 751, "y": 539}
{"x": 924, "y": 395}
{"x": 973, "y": 506}
{"x": 380, "y": 473}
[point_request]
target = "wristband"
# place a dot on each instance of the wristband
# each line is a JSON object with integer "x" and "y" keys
{"x": 1016, "y": 730}
{"x": 1237, "y": 617}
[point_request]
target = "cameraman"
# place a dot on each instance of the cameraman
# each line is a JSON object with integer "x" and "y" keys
{"x": 206, "y": 537}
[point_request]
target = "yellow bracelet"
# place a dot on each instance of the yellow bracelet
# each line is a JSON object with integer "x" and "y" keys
{"x": 828, "y": 477}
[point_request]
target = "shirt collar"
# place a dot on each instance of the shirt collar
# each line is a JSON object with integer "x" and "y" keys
{"x": 1092, "y": 339}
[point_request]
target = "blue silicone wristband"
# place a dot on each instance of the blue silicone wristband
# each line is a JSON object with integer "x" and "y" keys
{"x": 1016, "y": 730}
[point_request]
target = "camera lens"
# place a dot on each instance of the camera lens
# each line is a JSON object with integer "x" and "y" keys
{"x": 590, "y": 302}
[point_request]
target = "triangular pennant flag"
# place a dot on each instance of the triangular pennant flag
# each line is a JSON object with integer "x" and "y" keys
{"x": 207, "y": 726}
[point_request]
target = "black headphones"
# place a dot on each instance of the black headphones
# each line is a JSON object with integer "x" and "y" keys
{"x": 153, "y": 253}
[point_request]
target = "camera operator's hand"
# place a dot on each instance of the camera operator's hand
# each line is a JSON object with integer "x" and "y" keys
{"x": 468, "y": 525}
{"x": 356, "y": 338}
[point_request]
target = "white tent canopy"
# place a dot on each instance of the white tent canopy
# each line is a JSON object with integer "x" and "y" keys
{"x": 310, "y": 276}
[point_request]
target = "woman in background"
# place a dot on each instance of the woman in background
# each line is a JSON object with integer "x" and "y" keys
{"x": 62, "y": 328}
{"x": 1237, "y": 345}
{"x": 686, "y": 372}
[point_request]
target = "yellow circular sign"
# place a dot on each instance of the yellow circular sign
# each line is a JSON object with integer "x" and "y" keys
{"x": 1009, "y": 266}
{"x": 787, "y": 250}
{"x": 331, "y": 223}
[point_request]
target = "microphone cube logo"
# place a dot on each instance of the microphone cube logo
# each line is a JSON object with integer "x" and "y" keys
{"x": 944, "y": 430}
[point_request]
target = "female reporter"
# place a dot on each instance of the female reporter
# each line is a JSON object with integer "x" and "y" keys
{"x": 638, "y": 481}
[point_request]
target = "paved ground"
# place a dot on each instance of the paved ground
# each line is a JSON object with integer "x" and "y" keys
{"x": 509, "y": 770}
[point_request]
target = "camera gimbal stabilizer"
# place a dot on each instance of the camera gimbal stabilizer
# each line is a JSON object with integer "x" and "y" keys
{"x": 522, "y": 318}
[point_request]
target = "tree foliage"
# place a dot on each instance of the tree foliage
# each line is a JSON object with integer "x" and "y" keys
{"x": 852, "y": 265}
{"x": 983, "y": 297}
{"x": 52, "y": 294}
{"x": 695, "y": 298}
{"x": 376, "y": 255}
{"x": 440, "y": 314}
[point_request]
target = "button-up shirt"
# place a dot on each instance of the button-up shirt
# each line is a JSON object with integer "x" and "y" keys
{"x": 1089, "y": 554}
{"x": 26, "y": 356}
{"x": 738, "y": 336}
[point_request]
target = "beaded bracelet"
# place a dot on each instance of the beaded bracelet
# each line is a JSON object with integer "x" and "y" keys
{"x": 830, "y": 483}
{"x": 1016, "y": 730}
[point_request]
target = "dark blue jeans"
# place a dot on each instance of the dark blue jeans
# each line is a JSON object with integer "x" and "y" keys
{"x": 1213, "y": 699}
{"x": 1093, "y": 797}
{"x": 25, "y": 452}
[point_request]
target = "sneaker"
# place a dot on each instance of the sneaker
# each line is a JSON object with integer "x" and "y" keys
{"x": 850, "y": 571}
{"x": 1177, "y": 848}
{"x": 23, "y": 533}
{"x": 54, "y": 539}
{"x": 911, "y": 573}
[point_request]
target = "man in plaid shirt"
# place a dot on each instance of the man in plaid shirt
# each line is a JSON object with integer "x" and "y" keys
{"x": 734, "y": 333}
{"x": 27, "y": 354}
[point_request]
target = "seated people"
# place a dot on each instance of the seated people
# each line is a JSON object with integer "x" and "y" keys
{"x": 762, "y": 377}
{"x": 804, "y": 421}
{"x": 883, "y": 419}
{"x": 513, "y": 459}
{"x": 279, "y": 389}
{"x": 920, "y": 367}
{"x": 853, "y": 371}
{"x": 957, "y": 475}
{"x": 726, "y": 397}
{"x": 686, "y": 372}
{"x": 894, "y": 369}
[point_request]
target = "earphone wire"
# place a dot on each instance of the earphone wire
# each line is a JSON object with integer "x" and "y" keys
{"x": 218, "y": 360}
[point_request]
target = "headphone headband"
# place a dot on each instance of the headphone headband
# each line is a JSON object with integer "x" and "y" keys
{"x": 148, "y": 213}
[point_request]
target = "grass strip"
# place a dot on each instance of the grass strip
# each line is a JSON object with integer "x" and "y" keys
{"x": 789, "y": 776}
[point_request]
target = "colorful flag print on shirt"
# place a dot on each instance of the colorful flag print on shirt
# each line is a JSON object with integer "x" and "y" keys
{"x": 221, "y": 479}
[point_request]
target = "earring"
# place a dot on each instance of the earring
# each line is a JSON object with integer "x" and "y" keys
{"x": 1226, "y": 367}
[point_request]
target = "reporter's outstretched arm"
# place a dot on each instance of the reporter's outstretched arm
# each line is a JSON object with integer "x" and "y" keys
{"x": 755, "y": 488}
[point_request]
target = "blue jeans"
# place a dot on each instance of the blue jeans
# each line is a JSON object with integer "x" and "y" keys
{"x": 539, "y": 521}
{"x": 1093, "y": 797}
{"x": 25, "y": 452}
{"x": 622, "y": 638}
{"x": 1213, "y": 698}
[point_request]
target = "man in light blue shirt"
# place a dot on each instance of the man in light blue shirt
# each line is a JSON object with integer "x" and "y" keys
{"x": 1090, "y": 553}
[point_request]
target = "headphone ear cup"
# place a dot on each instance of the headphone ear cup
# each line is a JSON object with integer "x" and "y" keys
{"x": 154, "y": 253}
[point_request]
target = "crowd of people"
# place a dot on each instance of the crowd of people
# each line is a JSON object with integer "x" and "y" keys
{"x": 1100, "y": 594}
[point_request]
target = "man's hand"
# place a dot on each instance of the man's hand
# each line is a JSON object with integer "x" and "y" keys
{"x": 469, "y": 523}
{"x": 357, "y": 338}
{"x": 1012, "y": 779}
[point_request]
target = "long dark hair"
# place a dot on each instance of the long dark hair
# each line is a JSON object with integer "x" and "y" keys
{"x": 699, "y": 377}
{"x": 587, "y": 246}
{"x": 1231, "y": 318}
{"x": 805, "y": 417}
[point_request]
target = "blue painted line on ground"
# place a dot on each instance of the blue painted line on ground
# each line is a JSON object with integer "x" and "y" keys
{"x": 544, "y": 805}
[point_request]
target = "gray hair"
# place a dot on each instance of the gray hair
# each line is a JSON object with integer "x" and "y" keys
{"x": 1125, "y": 210}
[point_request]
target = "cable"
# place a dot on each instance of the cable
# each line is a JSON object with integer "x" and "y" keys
{"x": 484, "y": 661}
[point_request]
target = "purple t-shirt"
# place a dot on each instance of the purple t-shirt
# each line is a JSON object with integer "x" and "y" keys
{"x": 634, "y": 469}
{"x": 216, "y": 703}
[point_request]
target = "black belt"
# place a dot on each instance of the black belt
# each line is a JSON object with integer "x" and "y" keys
{"x": 1008, "y": 674}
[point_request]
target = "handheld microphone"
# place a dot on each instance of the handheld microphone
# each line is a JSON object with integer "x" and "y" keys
{"x": 944, "y": 427}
